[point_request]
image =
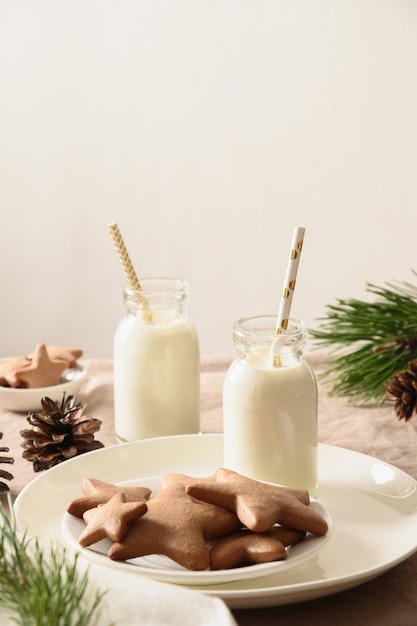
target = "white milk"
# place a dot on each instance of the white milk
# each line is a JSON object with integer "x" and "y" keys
{"x": 156, "y": 377}
{"x": 270, "y": 419}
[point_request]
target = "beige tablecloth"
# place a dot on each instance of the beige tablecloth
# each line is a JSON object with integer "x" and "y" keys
{"x": 390, "y": 599}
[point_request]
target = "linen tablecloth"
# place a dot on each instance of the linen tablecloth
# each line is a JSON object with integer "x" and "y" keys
{"x": 390, "y": 599}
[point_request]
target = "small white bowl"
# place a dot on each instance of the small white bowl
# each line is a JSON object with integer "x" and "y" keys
{"x": 17, "y": 399}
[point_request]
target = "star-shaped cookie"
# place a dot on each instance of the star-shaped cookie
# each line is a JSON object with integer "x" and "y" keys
{"x": 173, "y": 478}
{"x": 178, "y": 527}
{"x": 99, "y": 492}
{"x": 260, "y": 505}
{"x": 8, "y": 369}
{"x": 110, "y": 520}
{"x": 245, "y": 547}
{"x": 41, "y": 371}
{"x": 60, "y": 353}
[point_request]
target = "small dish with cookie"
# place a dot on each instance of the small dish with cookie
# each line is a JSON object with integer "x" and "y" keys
{"x": 48, "y": 370}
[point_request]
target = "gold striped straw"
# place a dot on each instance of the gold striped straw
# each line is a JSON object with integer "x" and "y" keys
{"x": 127, "y": 265}
{"x": 288, "y": 291}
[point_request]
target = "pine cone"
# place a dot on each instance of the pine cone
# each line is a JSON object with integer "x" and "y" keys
{"x": 403, "y": 389}
{"x": 59, "y": 432}
{"x": 3, "y": 473}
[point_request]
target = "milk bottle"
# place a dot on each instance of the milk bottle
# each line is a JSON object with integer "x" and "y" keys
{"x": 156, "y": 363}
{"x": 270, "y": 408}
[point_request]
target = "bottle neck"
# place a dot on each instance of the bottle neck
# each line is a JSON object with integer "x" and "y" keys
{"x": 160, "y": 300}
{"x": 256, "y": 341}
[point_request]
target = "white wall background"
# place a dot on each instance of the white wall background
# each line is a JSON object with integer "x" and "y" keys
{"x": 207, "y": 129}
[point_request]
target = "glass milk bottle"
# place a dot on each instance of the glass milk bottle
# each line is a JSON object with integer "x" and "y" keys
{"x": 270, "y": 409}
{"x": 156, "y": 363}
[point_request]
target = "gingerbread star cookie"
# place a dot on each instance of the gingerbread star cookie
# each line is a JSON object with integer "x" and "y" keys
{"x": 41, "y": 368}
{"x": 98, "y": 492}
{"x": 8, "y": 368}
{"x": 174, "y": 478}
{"x": 111, "y": 519}
{"x": 246, "y": 547}
{"x": 178, "y": 527}
{"x": 59, "y": 353}
{"x": 41, "y": 371}
{"x": 260, "y": 505}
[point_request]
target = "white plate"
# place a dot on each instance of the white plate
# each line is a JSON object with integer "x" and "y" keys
{"x": 373, "y": 506}
{"x": 162, "y": 568}
{"x": 16, "y": 399}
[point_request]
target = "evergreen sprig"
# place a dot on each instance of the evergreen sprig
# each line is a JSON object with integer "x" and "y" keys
{"x": 369, "y": 342}
{"x": 42, "y": 586}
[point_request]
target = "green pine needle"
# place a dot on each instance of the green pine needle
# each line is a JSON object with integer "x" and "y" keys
{"x": 42, "y": 587}
{"x": 369, "y": 341}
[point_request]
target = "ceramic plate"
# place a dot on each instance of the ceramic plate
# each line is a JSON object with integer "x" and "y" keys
{"x": 164, "y": 569}
{"x": 30, "y": 399}
{"x": 373, "y": 506}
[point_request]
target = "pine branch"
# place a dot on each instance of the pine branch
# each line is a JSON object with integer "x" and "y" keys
{"x": 369, "y": 341}
{"x": 42, "y": 587}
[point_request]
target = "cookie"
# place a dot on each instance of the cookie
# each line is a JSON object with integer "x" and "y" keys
{"x": 260, "y": 505}
{"x": 111, "y": 519}
{"x": 8, "y": 368}
{"x": 174, "y": 478}
{"x": 178, "y": 527}
{"x": 41, "y": 370}
{"x": 98, "y": 492}
{"x": 59, "y": 353}
{"x": 246, "y": 547}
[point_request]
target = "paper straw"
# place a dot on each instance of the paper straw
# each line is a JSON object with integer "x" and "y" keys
{"x": 124, "y": 257}
{"x": 128, "y": 268}
{"x": 288, "y": 290}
